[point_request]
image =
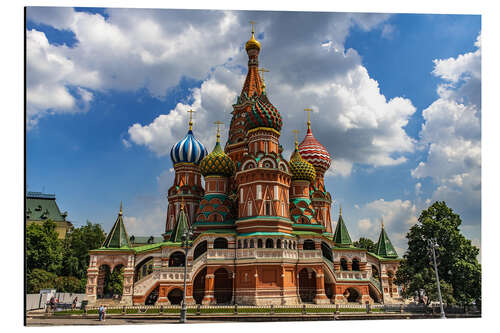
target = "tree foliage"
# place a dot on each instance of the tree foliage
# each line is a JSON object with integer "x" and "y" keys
{"x": 52, "y": 263}
{"x": 458, "y": 267}
{"x": 365, "y": 243}
{"x": 76, "y": 249}
{"x": 43, "y": 248}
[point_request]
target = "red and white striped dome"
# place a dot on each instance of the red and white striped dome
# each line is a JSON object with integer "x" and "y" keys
{"x": 314, "y": 152}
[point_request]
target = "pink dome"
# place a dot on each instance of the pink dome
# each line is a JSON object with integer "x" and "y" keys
{"x": 314, "y": 152}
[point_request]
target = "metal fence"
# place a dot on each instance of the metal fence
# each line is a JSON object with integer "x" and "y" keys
{"x": 37, "y": 301}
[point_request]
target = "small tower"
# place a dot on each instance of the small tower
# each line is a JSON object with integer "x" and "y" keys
{"x": 383, "y": 247}
{"x": 341, "y": 237}
{"x": 180, "y": 226}
{"x": 117, "y": 237}
{"x": 315, "y": 153}
{"x": 215, "y": 207}
{"x": 186, "y": 156}
{"x": 301, "y": 210}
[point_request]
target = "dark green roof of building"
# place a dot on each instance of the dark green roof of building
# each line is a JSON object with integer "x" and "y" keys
{"x": 384, "y": 247}
{"x": 341, "y": 236}
{"x": 41, "y": 206}
{"x": 117, "y": 237}
{"x": 180, "y": 227}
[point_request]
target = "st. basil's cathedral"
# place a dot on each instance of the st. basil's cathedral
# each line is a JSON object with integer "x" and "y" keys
{"x": 262, "y": 232}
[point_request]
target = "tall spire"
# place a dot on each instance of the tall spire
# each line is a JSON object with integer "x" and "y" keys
{"x": 117, "y": 237}
{"x": 180, "y": 227}
{"x": 341, "y": 236}
{"x": 253, "y": 82}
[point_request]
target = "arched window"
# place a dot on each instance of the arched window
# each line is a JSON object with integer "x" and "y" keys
{"x": 252, "y": 245}
{"x": 200, "y": 249}
{"x": 245, "y": 243}
{"x": 259, "y": 243}
{"x": 343, "y": 264}
{"x": 355, "y": 264}
{"x": 375, "y": 272}
{"x": 278, "y": 244}
{"x": 239, "y": 244}
{"x": 308, "y": 244}
{"x": 220, "y": 243}
{"x": 177, "y": 259}
{"x": 269, "y": 243}
{"x": 327, "y": 251}
{"x": 285, "y": 244}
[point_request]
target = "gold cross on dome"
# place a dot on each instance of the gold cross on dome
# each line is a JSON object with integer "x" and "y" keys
{"x": 252, "y": 23}
{"x": 191, "y": 118}
{"x": 262, "y": 71}
{"x": 296, "y": 133}
{"x": 308, "y": 114}
{"x": 218, "y": 133}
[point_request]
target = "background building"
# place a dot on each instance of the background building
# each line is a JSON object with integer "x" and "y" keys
{"x": 41, "y": 207}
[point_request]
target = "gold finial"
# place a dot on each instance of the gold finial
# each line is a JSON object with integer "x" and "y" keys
{"x": 121, "y": 209}
{"x": 340, "y": 208}
{"x": 218, "y": 132}
{"x": 382, "y": 222}
{"x": 191, "y": 118}
{"x": 182, "y": 203}
{"x": 308, "y": 119}
{"x": 296, "y": 141}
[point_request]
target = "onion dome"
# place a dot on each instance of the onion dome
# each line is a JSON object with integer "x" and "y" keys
{"x": 314, "y": 152}
{"x": 252, "y": 43}
{"x": 188, "y": 150}
{"x": 263, "y": 114}
{"x": 217, "y": 163}
{"x": 301, "y": 169}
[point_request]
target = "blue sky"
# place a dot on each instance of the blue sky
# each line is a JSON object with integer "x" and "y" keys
{"x": 396, "y": 100}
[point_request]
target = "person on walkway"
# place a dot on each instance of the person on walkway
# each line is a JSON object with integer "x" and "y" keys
{"x": 104, "y": 314}
{"x": 101, "y": 313}
{"x": 73, "y": 306}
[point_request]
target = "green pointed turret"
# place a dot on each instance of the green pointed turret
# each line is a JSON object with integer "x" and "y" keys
{"x": 341, "y": 236}
{"x": 117, "y": 237}
{"x": 384, "y": 247}
{"x": 180, "y": 226}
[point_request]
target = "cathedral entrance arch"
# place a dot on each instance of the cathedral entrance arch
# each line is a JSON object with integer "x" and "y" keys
{"x": 175, "y": 296}
{"x": 307, "y": 285}
{"x": 352, "y": 295}
{"x": 375, "y": 295}
{"x": 223, "y": 286}
{"x": 199, "y": 286}
{"x": 153, "y": 296}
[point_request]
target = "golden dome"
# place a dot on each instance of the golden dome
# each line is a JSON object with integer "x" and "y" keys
{"x": 301, "y": 169}
{"x": 252, "y": 43}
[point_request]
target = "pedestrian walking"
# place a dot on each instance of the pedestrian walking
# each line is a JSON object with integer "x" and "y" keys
{"x": 101, "y": 313}
{"x": 104, "y": 314}
{"x": 73, "y": 306}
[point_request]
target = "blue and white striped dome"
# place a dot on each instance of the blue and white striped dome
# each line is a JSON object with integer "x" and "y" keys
{"x": 188, "y": 150}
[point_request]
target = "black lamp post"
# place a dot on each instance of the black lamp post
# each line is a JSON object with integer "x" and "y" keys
{"x": 433, "y": 245}
{"x": 186, "y": 242}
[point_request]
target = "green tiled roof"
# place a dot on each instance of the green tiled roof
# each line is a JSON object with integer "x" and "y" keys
{"x": 117, "y": 237}
{"x": 40, "y": 206}
{"x": 384, "y": 247}
{"x": 145, "y": 239}
{"x": 341, "y": 236}
{"x": 180, "y": 227}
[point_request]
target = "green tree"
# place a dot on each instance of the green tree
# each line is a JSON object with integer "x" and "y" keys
{"x": 68, "y": 284}
{"x": 43, "y": 248}
{"x": 365, "y": 243}
{"x": 458, "y": 267}
{"x": 38, "y": 279}
{"x": 77, "y": 246}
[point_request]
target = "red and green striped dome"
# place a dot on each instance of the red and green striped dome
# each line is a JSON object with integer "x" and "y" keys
{"x": 263, "y": 114}
{"x": 314, "y": 152}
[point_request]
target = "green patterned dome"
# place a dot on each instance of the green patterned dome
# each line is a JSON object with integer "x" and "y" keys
{"x": 301, "y": 169}
{"x": 217, "y": 163}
